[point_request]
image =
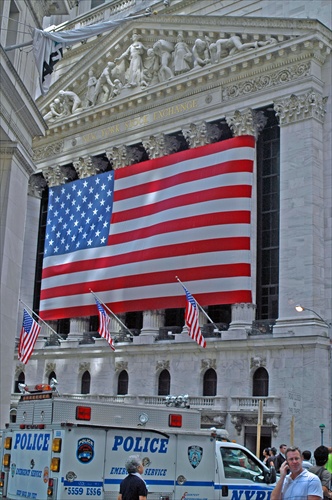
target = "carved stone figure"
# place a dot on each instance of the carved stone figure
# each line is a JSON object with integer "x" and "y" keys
{"x": 92, "y": 81}
{"x": 201, "y": 53}
{"x": 104, "y": 84}
{"x": 151, "y": 67}
{"x": 56, "y": 110}
{"x": 164, "y": 50}
{"x": 228, "y": 46}
{"x": 182, "y": 56}
{"x": 70, "y": 101}
{"x": 134, "y": 53}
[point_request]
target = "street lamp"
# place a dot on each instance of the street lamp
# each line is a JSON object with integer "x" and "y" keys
{"x": 300, "y": 308}
{"x": 322, "y": 427}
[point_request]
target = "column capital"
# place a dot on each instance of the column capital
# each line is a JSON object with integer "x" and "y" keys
{"x": 246, "y": 122}
{"x": 54, "y": 176}
{"x": 85, "y": 167}
{"x": 160, "y": 145}
{"x": 121, "y": 156}
{"x": 201, "y": 133}
{"x": 297, "y": 107}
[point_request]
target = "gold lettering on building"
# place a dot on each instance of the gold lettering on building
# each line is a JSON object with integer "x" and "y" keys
{"x": 174, "y": 110}
{"x": 137, "y": 122}
{"x": 90, "y": 137}
{"x": 107, "y": 132}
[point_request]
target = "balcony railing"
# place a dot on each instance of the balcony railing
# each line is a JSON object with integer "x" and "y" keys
{"x": 270, "y": 404}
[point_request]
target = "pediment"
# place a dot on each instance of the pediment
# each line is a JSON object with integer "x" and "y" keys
{"x": 170, "y": 51}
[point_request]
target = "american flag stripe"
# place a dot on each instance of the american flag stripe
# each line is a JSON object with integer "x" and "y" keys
{"x": 28, "y": 337}
{"x": 186, "y": 214}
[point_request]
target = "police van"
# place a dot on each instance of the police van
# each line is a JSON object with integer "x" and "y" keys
{"x": 64, "y": 449}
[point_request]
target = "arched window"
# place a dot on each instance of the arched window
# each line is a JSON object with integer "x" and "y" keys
{"x": 86, "y": 380}
{"x": 164, "y": 383}
{"x": 20, "y": 380}
{"x": 123, "y": 383}
{"x": 210, "y": 383}
{"x": 260, "y": 386}
{"x": 51, "y": 375}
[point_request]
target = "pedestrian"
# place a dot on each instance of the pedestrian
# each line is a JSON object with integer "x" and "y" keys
{"x": 133, "y": 486}
{"x": 272, "y": 457}
{"x": 321, "y": 455}
{"x": 266, "y": 455}
{"x": 306, "y": 455}
{"x": 299, "y": 483}
{"x": 329, "y": 461}
{"x": 280, "y": 458}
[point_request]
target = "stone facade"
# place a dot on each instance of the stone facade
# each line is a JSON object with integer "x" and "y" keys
{"x": 236, "y": 69}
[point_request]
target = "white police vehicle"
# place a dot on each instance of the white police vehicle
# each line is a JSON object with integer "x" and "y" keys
{"x": 65, "y": 449}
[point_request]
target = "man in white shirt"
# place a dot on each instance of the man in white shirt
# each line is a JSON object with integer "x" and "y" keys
{"x": 299, "y": 484}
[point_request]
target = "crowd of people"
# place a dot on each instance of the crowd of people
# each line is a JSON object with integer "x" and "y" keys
{"x": 301, "y": 477}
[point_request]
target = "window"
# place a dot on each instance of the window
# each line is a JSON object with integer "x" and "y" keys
{"x": 20, "y": 380}
{"x": 260, "y": 383}
{"x": 164, "y": 383}
{"x": 239, "y": 464}
{"x": 123, "y": 383}
{"x": 51, "y": 375}
{"x": 268, "y": 213}
{"x": 210, "y": 383}
{"x": 86, "y": 381}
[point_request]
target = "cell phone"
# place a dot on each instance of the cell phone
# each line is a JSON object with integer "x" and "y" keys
{"x": 288, "y": 470}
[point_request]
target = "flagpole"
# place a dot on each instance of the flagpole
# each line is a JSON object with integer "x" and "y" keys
{"x": 111, "y": 312}
{"x": 48, "y": 326}
{"x": 200, "y": 307}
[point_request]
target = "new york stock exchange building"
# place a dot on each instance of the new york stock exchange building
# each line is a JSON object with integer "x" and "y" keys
{"x": 188, "y": 147}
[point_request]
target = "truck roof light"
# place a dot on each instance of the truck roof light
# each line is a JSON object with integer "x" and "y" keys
{"x": 83, "y": 413}
{"x": 22, "y": 426}
{"x": 175, "y": 420}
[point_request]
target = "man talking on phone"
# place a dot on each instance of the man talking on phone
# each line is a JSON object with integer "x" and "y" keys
{"x": 296, "y": 483}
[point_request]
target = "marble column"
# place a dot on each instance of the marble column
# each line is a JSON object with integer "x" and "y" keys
{"x": 77, "y": 327}
{"x": 152, "y": 321}
{"x": 302, "y": 207}
{"x": 246, "y": 122}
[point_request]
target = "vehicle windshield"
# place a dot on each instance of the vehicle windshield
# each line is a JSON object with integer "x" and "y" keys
{"x": 238, "y": 464}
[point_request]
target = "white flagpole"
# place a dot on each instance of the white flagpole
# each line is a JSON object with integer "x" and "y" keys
{"x": 48, "y": 326}
{"x": 200, "y": 307}
{"x": 111, "y": 312}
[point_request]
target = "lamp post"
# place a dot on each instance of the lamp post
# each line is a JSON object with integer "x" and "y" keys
{"x": 301, "y": 308}
{"x": 322, "y": 427}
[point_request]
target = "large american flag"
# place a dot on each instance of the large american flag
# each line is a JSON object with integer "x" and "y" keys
{"x": 29, "y": 333}
{"x": 192, "y": 319}
{"x": 127, "y": 233}
{"x": 104, "y": 324}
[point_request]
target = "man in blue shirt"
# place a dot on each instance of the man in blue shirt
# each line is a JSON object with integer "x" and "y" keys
{"x": 296, "y": 482}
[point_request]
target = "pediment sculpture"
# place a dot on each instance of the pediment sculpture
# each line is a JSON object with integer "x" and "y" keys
{"x": 141, "y": 66}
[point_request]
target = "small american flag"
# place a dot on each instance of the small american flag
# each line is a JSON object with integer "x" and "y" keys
{"x": 192, "y": 319}
{"x": 28, "y": 337}
{"x": 104, "y": 322}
